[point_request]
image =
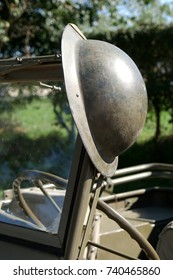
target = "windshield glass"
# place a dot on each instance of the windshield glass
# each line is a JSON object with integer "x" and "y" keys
{"x": 37, "y": 138}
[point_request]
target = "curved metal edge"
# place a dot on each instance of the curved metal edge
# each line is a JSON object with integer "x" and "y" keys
{"x": 70, "y": 38}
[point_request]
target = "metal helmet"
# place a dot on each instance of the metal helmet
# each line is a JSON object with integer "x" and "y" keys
{"x": 106, "y": 94}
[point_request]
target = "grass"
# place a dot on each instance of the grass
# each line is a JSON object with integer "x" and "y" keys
{"x": 35, "y": 119}
{"x": 147, "y": 149}
{"x": 148, "y": 131}
{"x": 31, "y": 138}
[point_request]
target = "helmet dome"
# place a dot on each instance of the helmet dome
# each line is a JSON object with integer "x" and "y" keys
{"x": 107, "y": 97}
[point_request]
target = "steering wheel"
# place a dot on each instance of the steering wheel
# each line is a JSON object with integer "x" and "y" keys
{"x": 132, "y": 231}
{"x": 38, "y": 177}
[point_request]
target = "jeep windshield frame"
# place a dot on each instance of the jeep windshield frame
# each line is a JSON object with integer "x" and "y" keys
{"x": 82, "y": 174}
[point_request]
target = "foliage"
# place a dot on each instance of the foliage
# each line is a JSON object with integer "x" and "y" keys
{"x": 33, "y": 27}
{"x": 142, "y": 28}
{"x": 151, "y": 49}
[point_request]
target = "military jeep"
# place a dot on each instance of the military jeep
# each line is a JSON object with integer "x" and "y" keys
{"x": 83, "y": 217}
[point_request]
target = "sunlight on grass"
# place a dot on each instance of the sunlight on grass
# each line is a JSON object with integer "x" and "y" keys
{"x": 36, "y": 119}
{"x": 148, "y": 131}
{"x": 32, "y": 138}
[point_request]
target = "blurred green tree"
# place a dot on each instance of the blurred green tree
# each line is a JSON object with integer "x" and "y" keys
{"x": 142, "y": 28}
